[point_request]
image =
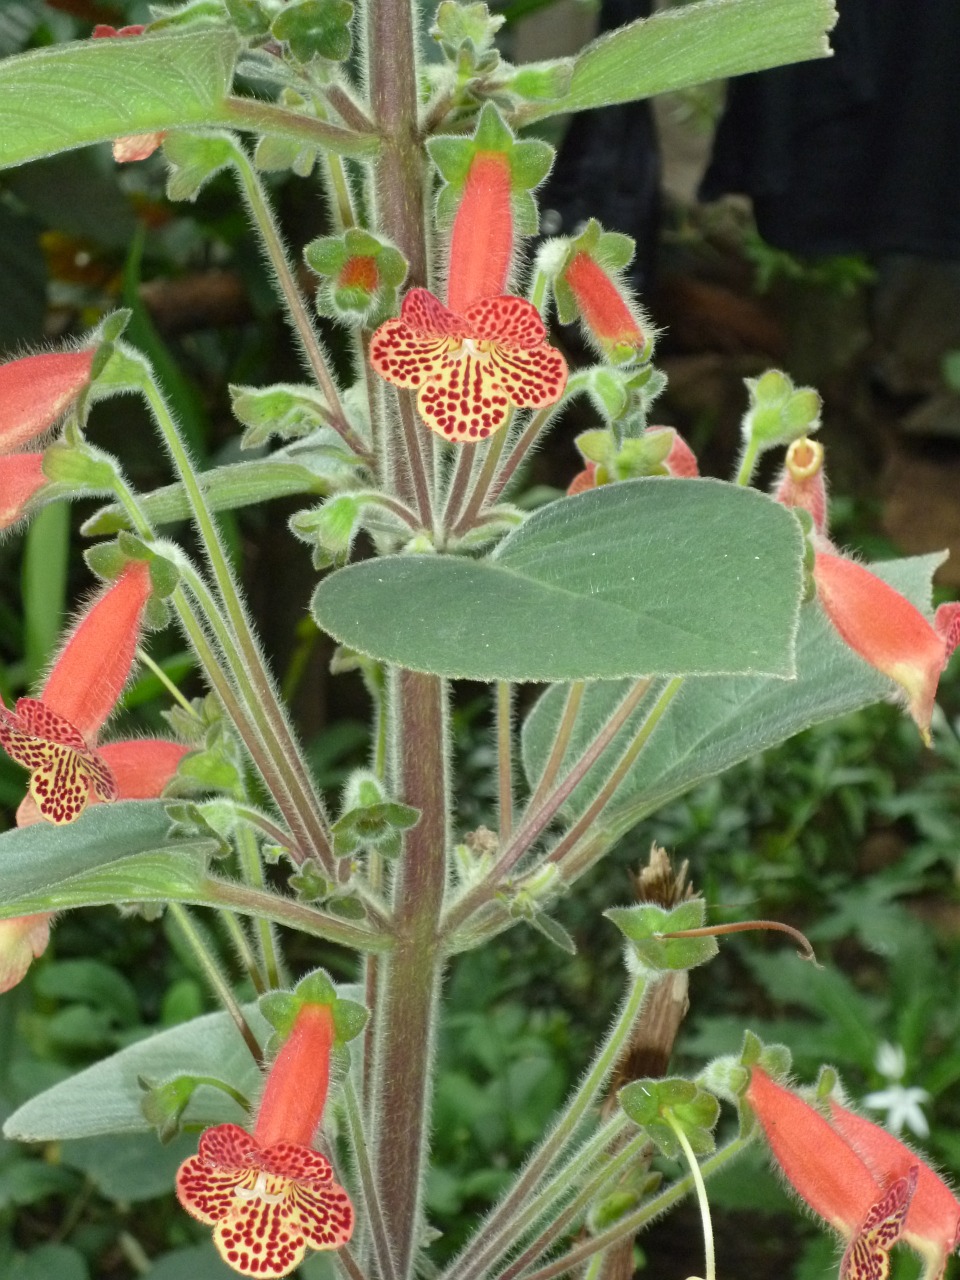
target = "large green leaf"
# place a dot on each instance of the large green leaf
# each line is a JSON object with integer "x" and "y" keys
{"x": 691, "y": 44}
{"x": 715, "y": 722}
{"x": 105, "y": 1098}
{"x": 118, "y": 853}
{"x": 70, "y": 95}
{"x": 649, "y": 576}
{"x": 112, "y": 850}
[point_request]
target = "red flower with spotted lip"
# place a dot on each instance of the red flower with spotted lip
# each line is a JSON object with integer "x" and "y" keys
{"x": 469, "y": 369}
{"x": 62, "y": 767}
{"x": 267, "y": 1205}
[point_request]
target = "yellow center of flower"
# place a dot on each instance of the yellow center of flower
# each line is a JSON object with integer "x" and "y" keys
{"x": 259, "y": 1191}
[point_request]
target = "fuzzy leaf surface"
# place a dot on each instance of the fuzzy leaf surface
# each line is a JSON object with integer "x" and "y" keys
{"x": 111, "y": 853}
{"x": 649, "y": 576}
{"x": 689, "y": 45}
{"x": 70, "y": 95}
{"x": 106, "y": 1097}
{"x": 715, "y": 722}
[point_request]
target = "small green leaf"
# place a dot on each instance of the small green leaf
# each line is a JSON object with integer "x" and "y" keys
{"x": 315, "y": 28}
{"x": 195, "y": 158}
{"x": 653, "y": 1104}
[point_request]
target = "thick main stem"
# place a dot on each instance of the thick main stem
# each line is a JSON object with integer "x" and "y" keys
{"x": 409, "y": 979}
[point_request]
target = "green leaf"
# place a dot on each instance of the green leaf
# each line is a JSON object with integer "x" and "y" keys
{"x": 691, "y": 44}
{"x": 68, "y": 96}
{"x": 715, "y": 722}
{"x": 238, "y": 484}
{"x": 106, "y": 1098}
{"x": 648, "y": 576}
{"x": 113, "y": 852}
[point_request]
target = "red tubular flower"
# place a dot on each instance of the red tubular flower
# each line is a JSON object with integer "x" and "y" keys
{"x": 481, "y": 243}
{"x": 802, "y": 482}
{"x": 21, "y": 476}
{"x": 52, "y": 735}
{"x": 829, "y": 1175}
{"x": 141, "y": 769}
{"x": 932, "y": 1225}
{"x": 270, "y": 1197}
{"x": 36, "y": 391}
{"x": 468, "y": 369}
{"x": 885, "y": 629}
{"x": 134, "y": 146}
{"x": 603, "y": 309}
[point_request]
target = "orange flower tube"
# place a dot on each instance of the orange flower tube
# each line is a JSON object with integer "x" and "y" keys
{"x": 94, "y": 665}
{"x": 36, "y": 391}
{"x": 602, "y": 307}
{"x": 932, "y": 1225}
{"x": 802, "y": 482}
{"x": 885, "y": 629}
{"x": 481, "y": 244}
{"x": 21, "y": 476}
{"x": 829, "y": 1175}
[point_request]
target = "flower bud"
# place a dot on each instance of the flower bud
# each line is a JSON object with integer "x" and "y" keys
{"x": 36, "y": 392}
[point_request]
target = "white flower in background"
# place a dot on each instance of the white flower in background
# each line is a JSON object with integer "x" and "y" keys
{"x": 902, "y": 1104}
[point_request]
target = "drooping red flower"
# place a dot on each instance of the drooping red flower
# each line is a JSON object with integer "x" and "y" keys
{"x": 831, "y": 1177}
{"x": 604, "y": 311}
{"x": 134, "y": 146}
{"x": 932, "y": 1224}
{"x": 36, "y": 391}
{"x": 54, "y": 735}
{"x": 469, "y": 369}
{"x": 269, "y": 1197}
{"x": 21, "y": 476}
{"x": 886, "y": 630}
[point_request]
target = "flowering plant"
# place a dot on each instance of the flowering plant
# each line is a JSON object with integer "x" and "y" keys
{"x": 653, "y": 604}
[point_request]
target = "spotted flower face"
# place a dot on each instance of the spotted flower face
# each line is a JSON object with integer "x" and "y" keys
{"x": 63, "y": 769}
{"x": 267, "y": 1205}
{"x": 469, "y": 369}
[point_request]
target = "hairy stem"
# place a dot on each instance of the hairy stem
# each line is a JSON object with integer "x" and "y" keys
{"x": 358, "y": 1141}
{"x": 561, "y": 741}
{"x": 536, "y": 820}
{"x": 303, "y": 327}
{"x": 211, "y": 971}
{"x": 562, "y": 1133}
{"x": 632, "y": 1223}
{"x": 409, "y": 977}
{"x": 505, "y": 758}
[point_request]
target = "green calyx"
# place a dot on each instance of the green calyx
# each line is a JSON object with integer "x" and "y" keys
{"x": 360, "y": 274}
{"x": 611, "y": 250}
{"x": 644, "y": 926}
{"x": 370, "y": 819}
{"x": 194, "y": 158}
{"x": 729, "y": 1075}
{"x": 779, "y": 412}
{"x": 642, "y": 455}
{"x": 280, "y": 1008}
{"x": 529, "y": 162}
{"x": 660, "y": 1107}
{"x": 315, "y": 29}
